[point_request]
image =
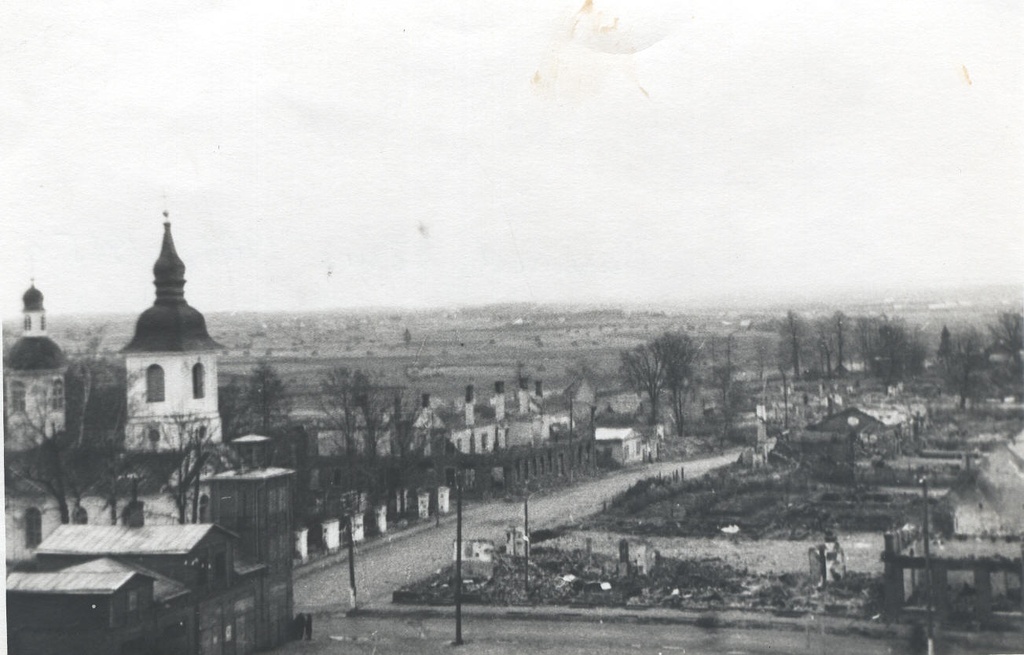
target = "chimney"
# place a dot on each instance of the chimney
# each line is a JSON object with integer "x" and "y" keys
{"x": 499, "y": 401}
{"x": 524, "y": 395}
{"x": 540, "y": 389}
{"x": 252, "y": 452}
{"x": 470, "y": 411}
{"x": 426, "y": 401}
{"x": 134, "y": 512}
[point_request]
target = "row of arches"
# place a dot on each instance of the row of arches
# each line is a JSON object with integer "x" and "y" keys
{"x": 19, "y": 395}
{"x": 155, "y": 390}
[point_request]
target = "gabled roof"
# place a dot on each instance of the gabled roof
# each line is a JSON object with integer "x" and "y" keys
{"x": 102, "y": 576}
{"x": 850, "y": 419}
{"x": 119, "y": 540}
{"x": 164, "y": 588}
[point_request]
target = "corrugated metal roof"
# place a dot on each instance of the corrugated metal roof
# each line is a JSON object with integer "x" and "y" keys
{"x": 164, "y": 588}
{"x": 64, "y": 582}
{"x": 118, "y": 540}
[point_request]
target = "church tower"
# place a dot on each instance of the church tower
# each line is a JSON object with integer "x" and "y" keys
{"x": 33, "y": 381}
{"x": 172, "y": 366}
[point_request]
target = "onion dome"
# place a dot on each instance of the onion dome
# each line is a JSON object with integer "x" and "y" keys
{"x": 34, "y": 354}
{"x": 33, "y": 299}
{"x": 171, "y": 324}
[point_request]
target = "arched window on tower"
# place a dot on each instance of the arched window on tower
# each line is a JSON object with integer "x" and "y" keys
{"x": 42, "y": 322}
{"x": 154, "y": 384}
{"x": 57, "y": 394}
{"x": 28, "y": 322}
{"x": 18, "y": 396}
{"x": 198, "y": 381}
{"x": 80, "y": 516}
{"x": 33, "y": 527}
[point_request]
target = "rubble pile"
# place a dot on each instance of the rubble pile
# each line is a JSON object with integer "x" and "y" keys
{"x": 574, "y": 578}
{"x": 783, "y": 502}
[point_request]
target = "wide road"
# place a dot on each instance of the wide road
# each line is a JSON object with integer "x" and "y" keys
{"x": 489, "y": 636}
{"x": 382, "y": 568}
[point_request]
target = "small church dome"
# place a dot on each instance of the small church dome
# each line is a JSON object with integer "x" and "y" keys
{"x": 33, "y": 299}
{"x": 35, "y": 354}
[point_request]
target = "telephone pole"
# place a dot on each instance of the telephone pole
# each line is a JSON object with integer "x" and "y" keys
{"x": 458, "y": 557}
{"x": 351, "y": 561}
{"x": 928, "y": 570}
{"x": 526, "y": 543}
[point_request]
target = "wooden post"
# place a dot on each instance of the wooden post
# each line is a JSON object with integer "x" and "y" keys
{"x": 928, "y": 571}
{"x": 526, "y": 546}
{"x": 458, "y": 557}
{"x": 351, "y": 562}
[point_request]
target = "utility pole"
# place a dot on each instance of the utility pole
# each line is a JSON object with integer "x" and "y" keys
{"x": 928, "y": 570}
{"x": 458, "y": 557}
{"x": 572, "y": 463}
{"x": 351, "y": 561}
{"x": 526, "y": 543}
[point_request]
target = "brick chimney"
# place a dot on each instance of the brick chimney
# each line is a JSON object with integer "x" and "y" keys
{"x": 425, "y": 401}
{"x": 134, "y": 512}
{"x": 470, "y": 410}
{"x": 499, "y": 401}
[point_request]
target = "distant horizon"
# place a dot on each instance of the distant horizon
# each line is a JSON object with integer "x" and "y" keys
{"x": 864, "y": 296}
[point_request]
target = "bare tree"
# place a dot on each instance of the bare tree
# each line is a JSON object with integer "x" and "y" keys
{"x": 891, "y": 350}
{"x": 839, "y": 321}
{"x": 825, "y": 340}
{"x": 723, "y": 376}
{"x": 680, "y": 356}
{"x": 644, "y": 371}
{"x": 764, "y": 356}
{"x": 337, "y": 401}
{"x": 963, "y": 367}
{"x": 266, "y": 399}
{"x": 793, "y": 334}
{"x": 1007, "y": 335}
{"x": 71, "y": 461}
{"x": 191, "y": 443}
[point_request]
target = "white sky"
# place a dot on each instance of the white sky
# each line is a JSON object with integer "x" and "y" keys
{"x": 331, "y": 154}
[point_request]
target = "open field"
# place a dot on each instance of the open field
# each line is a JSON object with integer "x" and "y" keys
{"x": 451, "y": 348}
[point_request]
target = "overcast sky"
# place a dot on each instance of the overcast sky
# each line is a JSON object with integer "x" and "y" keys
{"x": 332, "y": 154}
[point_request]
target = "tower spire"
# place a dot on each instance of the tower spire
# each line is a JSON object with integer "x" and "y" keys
{"x": 169, "y": 271}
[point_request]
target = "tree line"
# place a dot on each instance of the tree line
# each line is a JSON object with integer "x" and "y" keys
{"x": 673, "y": 367}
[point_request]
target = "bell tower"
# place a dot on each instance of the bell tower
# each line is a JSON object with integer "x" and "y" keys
{"x": 171, "y": 364}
